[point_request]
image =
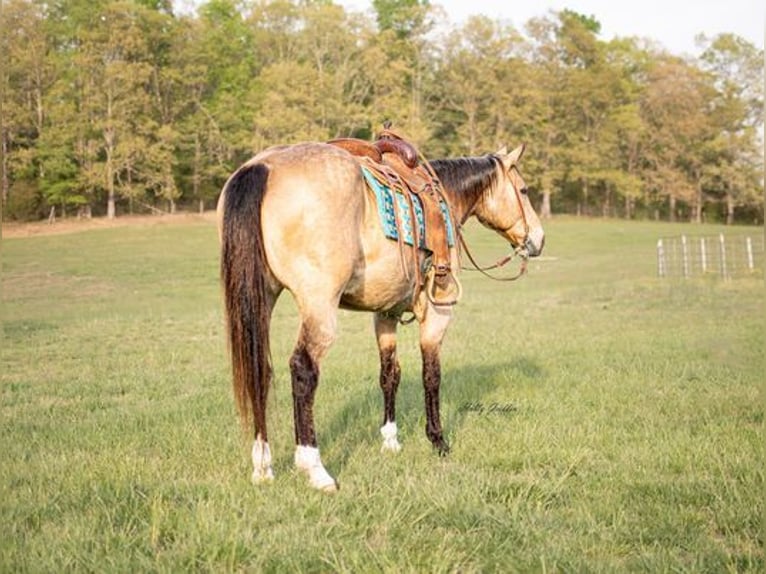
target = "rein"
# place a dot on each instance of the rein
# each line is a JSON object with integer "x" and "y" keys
{"x": 520, "y": 251}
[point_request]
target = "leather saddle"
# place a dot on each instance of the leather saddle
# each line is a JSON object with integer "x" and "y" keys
{"x": 397, "y": 160}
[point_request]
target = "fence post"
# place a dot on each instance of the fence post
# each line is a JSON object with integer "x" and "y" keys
{"x": 661, "y": 270}
{"x": 724, "y": 269}
{"x": 685, "y": 254}
{"x": 749, "y": 247}
{"x": 703, "y": 254}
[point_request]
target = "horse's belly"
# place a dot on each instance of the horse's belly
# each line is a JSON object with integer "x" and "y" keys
{"x": 379, "y": 282}
{"x": 371, "y": 291}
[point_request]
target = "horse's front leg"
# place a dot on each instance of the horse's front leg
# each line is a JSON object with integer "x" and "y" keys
{"x": 390, "y": 375}
{"x": 432, "y": 330}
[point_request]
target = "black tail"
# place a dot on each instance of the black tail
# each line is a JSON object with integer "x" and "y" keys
{"x": 243, "y": 274}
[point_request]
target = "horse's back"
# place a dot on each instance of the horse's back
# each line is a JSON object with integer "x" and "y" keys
{"x": 312, "y": 174}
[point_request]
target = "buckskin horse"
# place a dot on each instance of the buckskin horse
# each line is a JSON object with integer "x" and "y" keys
{"x": 303, "y": 218}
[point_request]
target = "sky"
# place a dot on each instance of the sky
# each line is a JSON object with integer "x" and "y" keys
{"x": 672, "y": 23}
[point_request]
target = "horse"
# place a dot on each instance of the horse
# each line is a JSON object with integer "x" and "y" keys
{"x": 301, "y": 217}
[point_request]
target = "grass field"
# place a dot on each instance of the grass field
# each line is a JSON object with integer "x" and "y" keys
{"x": 601, "y": 419}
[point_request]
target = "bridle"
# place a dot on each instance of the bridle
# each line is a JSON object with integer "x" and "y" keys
{"x": 520, "y": 251}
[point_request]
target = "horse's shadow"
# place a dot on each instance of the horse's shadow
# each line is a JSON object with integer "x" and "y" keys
{"x": 464, "y": 390}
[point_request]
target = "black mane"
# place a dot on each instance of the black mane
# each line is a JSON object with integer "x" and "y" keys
{"x": 465, "y": 179}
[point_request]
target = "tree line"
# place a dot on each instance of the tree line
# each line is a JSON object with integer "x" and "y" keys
{"x": 111, "y": 107}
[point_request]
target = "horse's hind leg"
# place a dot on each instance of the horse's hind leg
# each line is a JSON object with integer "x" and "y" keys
{"x": 390, "y": 375}
{"x": 316, "y": 335}
{"x": 261, "y": 453}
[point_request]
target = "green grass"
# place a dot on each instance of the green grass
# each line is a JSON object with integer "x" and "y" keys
{"x": 626, "y": 432}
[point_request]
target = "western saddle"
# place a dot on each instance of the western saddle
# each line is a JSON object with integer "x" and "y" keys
{"x": 397, "y": 164}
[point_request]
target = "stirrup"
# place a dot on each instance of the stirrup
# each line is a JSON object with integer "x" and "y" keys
{"x": 449, "y": 297}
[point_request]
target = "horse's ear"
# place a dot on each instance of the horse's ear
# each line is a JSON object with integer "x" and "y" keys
{"x": 503, "y": 151}
{"x": 511, "y": 159}
{"x": 515, "y": 155}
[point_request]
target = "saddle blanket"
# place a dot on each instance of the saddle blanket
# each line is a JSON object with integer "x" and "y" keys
{"x": 384, "y": 197}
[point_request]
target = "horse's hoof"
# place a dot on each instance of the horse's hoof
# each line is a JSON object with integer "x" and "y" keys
{"x": 390, "y": 442}
{"x": 329, "y": 488}
{"x": 263, "y": 476}
{"x": 321, "y": 480}
{"x": 442, "y": 448}
{"x": 391, "y": 445}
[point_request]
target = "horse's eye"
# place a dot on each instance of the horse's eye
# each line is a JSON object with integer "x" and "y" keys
{"x": 524, "y": 190}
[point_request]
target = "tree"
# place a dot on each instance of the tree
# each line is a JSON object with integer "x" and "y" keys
{"x": 105, "y": 103}
{"x": 405, "y": 18}
{"x": 592, "y": 140}
{"x": 229, "y": 95}
{"x": 275, "y": 30}
{"x": 203, "y": 154}
{"x": 626, "y": 131}
{"x": 734, "y": 165}
{"x": 26, "y": 76}
{"x": 328, "y": 42}
{"x": 483, "y": 86}
{"x": 674, "y": 107}
{"x": 401, "y": 74}
{"x": 580, "y": 159}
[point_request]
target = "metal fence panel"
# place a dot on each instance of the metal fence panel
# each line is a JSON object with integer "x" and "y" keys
{"x": 710, "y": 255}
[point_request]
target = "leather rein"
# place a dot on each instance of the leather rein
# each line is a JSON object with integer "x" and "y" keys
{"x": 520, "y": 251}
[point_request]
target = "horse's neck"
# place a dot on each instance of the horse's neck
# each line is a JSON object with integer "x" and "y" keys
{"x": 466, "y": 182}
{"x": 464, "y": 205}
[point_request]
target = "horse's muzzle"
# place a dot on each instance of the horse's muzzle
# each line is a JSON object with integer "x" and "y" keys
{"x": 534, "y": 244}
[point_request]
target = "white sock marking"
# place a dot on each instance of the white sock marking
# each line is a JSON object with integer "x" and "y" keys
{"x": 262, "y": 471}
{"x": 307, "y": 459}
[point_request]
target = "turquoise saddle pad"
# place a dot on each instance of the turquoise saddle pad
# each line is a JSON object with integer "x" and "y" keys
{"x": 384, "y": 197}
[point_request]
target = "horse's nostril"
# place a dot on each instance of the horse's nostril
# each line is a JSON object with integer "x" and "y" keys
{"x": 534, "y": 249}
